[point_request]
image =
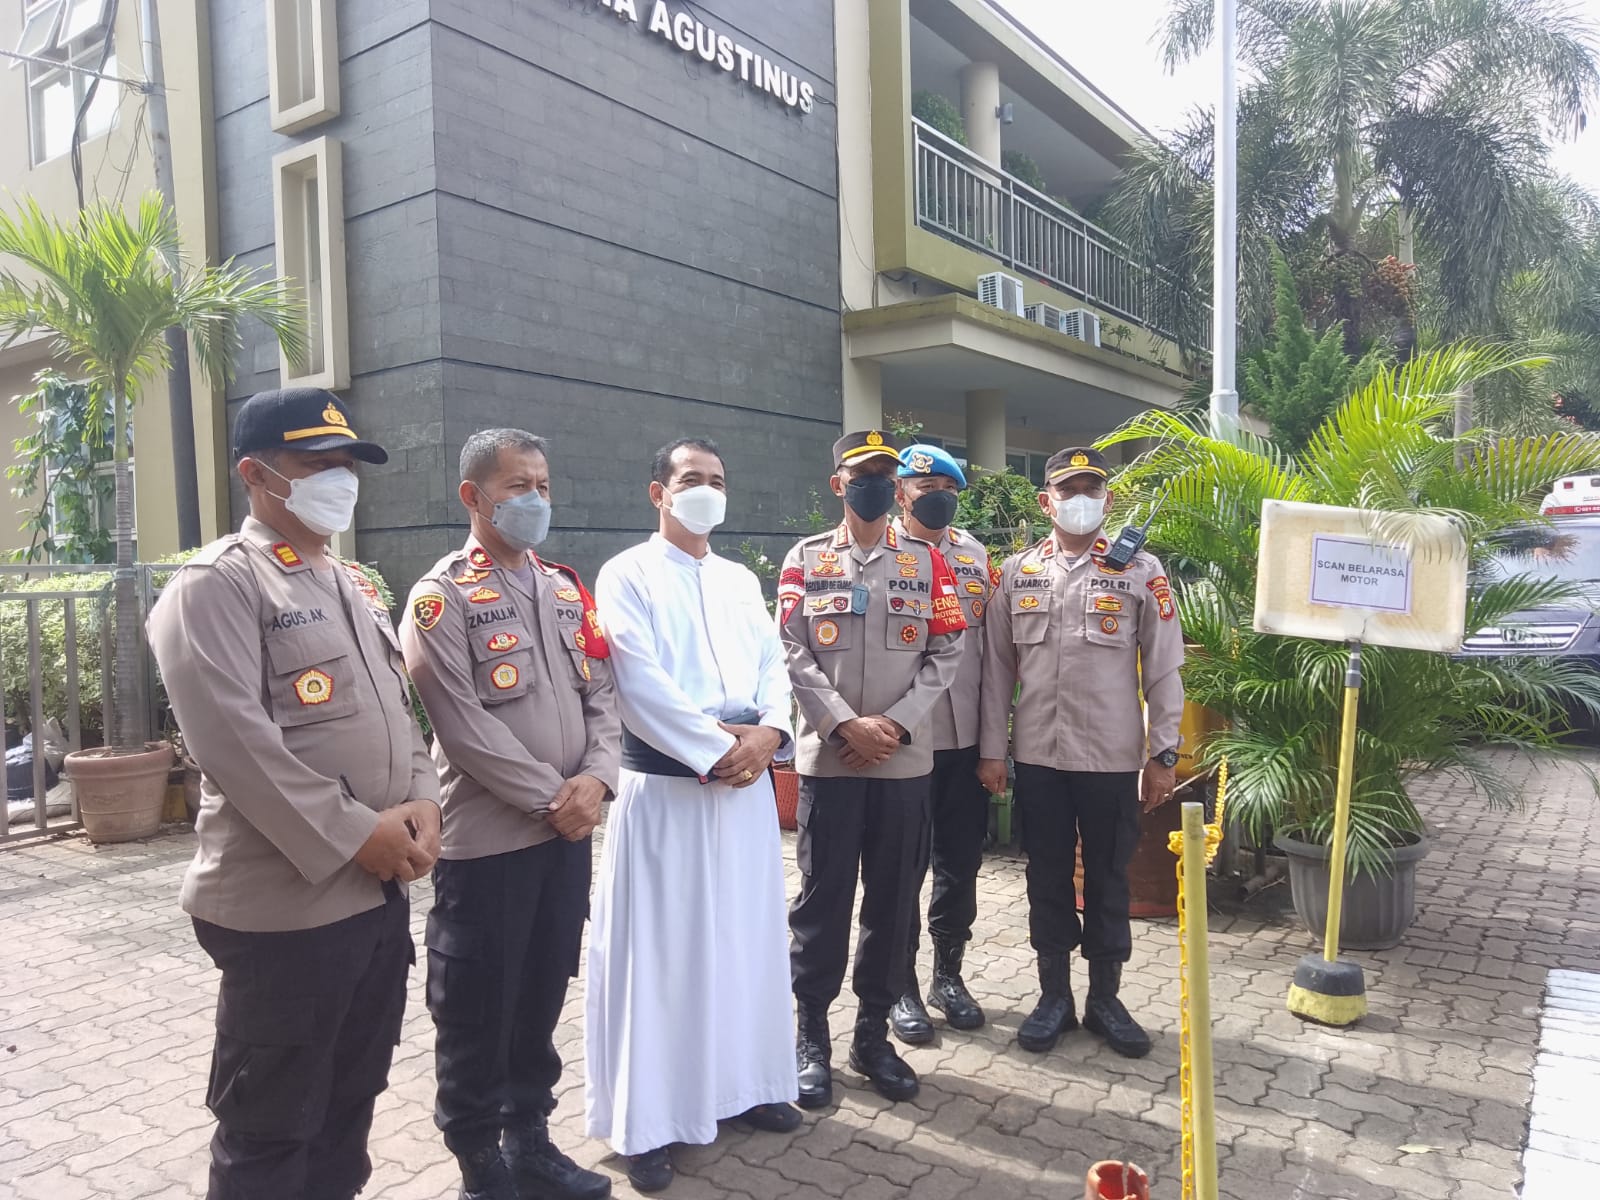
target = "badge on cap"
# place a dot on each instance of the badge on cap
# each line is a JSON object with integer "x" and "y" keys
{"x": 1080, "y": 460}
{"x": 502, "y": 641}
{"x": 504, "y": 676}
{"x": 314, "y": 687}
{"x": 874, "y": 438}
{"x": 922, "y": 463}
{"x": 827, "y": 633}
{"x": 484, "y": 595}
{"x": 334, "y": 417}
{"x": 426, "y": 610}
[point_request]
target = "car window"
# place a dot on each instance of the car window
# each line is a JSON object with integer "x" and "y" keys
{"x": 1570, "y": 553}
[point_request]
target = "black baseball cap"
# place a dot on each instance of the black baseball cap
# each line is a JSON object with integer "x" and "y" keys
{"x": 864, "y": 444}
{"x": 1076, "y": 460}
{"x": 306, "y": 419}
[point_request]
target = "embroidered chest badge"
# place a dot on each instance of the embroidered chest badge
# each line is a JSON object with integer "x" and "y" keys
{"x": 827, "y": 633}
{"x": 1029, "y": 602}
{"x": 974, "y": 588}
{"x": 483, "y": 595}
{"x": 1109, "y": 625}
{"x": 471, "y": 576}
{"x": 426, "y": 611}
{"x": 502, "y": 641}
{"x": 1031, "y": 568}
{"x": 908, "y": 572}
{"x": 908, "y": 635}
{"x": 567, "y": 595}
{"x": 504, "y": 676}
{"x": 977, "y": 610}
{"x": 1107, "y": 604}
{"x": 905, "y": 559}
{"x": 967, "y": 559}
{"x": 314, "y": 687}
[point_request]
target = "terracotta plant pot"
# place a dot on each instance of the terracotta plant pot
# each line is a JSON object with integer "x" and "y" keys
{"x": 1116, "y": 1181}
{"x": 120, "y": 796}
{"x": 786, "y": 787}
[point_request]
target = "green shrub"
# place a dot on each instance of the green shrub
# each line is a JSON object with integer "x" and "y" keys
{"x": 1020, "y": 166}
{"x": 933, "y": 109}
{"x": 1001, "y": 509}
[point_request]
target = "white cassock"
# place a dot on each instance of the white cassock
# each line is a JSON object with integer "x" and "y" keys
{"x": 690, "y": 1017}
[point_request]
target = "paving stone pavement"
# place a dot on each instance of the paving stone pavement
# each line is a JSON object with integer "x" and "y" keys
{"x": 106, "y": 1006}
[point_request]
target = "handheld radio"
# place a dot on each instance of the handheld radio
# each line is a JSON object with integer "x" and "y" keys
{"x": 1131, "y": 540}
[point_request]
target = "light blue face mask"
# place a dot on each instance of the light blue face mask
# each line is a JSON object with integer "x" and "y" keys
{"x": 523, "y": 521}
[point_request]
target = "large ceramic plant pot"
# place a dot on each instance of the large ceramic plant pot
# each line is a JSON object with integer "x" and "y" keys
{"x": 1377, "y": 908}
{"x": 120, "y": 796}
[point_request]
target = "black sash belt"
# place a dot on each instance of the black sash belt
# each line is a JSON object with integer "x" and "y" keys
{"x": 639, "y": 755}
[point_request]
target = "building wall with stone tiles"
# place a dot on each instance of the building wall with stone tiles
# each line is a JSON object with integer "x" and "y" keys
{"x": 558, "y": 220}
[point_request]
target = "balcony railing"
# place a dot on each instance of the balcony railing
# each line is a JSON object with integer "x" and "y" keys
{"x": 963, "y": 198}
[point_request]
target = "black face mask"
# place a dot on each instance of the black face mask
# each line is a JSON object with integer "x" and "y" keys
{"x": 934, "y": 510}
{"x": 870, "y": 497}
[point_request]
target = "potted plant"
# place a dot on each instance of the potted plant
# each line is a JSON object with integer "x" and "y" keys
{"x": 1387, "y": 447}
{"x": 105, "y": 286}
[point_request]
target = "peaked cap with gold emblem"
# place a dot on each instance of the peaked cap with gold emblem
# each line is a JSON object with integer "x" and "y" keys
{"x": 306, "y": 419}
{"x": 855, "y": 448}
{"x": 1076, "y": 460}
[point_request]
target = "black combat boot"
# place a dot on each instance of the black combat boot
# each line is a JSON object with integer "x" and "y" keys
{"x": 485, "y": 1176}
{"x": 542, "y": 1171}
{"x": 651, "y": 1171}
{"x": 812, "y": 1050}
{"x": 1055, "y": 1013}
{"x": 874, "y": 1057}
{"x": 1105, "y": 1017}
{"x": 910, "y": 1020}
{"x": 949, "y": 992}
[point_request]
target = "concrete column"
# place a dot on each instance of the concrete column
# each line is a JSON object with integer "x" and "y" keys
{"x": 986, "y": 429}
{"x": 863, "y": 393}
{"x": 980, "y": 96}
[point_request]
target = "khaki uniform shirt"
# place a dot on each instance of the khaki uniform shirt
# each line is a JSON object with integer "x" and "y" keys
{"x": 955, "y": 714}
{"x": 517, "y": 687}
{"x": 285, "y": 684}
{"x": 1080, "y": 638}
{"x": 893, "y": 660}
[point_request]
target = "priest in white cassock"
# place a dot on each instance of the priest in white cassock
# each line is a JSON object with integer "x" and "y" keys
{"x": 690, "y": 1014}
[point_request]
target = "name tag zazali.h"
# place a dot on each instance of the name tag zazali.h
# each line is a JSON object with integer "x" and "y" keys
{"x": 1353, "y": 575}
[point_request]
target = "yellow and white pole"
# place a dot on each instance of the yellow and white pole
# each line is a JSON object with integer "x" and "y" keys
{"x": 1326, "y": 990}
{"x": 1197, "y": 969}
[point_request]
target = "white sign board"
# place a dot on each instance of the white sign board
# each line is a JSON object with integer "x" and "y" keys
{"x": 1347, "y": 574}
{"x": 1352, "y": 573}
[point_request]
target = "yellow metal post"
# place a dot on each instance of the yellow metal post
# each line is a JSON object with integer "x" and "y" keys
{"x": 1197, "y": 967}
{"x": 1341, "y": 808}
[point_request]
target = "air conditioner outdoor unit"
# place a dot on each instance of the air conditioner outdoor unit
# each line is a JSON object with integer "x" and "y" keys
{"x": 1047, "y": 315}
{"x": 999, "y": 290}
{"x": 1081, "y": 324}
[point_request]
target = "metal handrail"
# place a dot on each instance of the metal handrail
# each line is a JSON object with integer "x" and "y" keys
{"x": 961, "y": 197}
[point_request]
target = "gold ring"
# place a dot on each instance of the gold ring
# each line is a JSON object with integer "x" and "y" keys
{"x": 747, "y": 776}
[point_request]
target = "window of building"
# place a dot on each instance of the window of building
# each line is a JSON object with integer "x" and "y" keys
{"x": 308, "y": 198}
{"x": 302, "y": 63}
{"x": 70, "y": 36}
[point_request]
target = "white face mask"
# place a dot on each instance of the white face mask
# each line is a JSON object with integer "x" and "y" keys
{"x": 325, "y": 502}
{"x": 1080, "y": 515}
{"x": 699, "y": 509}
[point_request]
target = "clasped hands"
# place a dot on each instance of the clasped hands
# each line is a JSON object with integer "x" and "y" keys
{"x": 869, "y": 741}
{"x": 750, "y": 755}
{"x": 404, "y": 844}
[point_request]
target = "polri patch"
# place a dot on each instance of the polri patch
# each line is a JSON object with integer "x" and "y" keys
{"x": 504, "y": 676}
{"x": 426, "y": 610}
{"x": 502, "y": 641}
{"x": 1109, "y": 625}
{"x": 827, "y": 633}
{"x": 314, "y": 687}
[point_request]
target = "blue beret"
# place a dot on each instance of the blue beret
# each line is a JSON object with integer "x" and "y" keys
{"x": 929, "y": 460}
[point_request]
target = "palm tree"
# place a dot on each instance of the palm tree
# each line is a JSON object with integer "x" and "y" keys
{"x": 105, "y": 286}
{"x": 1428, "y": 112}
{"x": 1389, "y": 448}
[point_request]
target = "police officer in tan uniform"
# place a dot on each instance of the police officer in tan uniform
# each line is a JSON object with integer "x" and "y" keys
{"x": 511, "y": 665}
{"x": 871, "y": 626}
{"x": 318, "y": 806}
{"x": 1082, "y": 637}
{"x": 930, "y": 484}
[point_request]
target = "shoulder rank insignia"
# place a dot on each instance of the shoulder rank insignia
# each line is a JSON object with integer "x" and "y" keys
{"x": 426, "y": 610}
{"x": 314, "y": 687}
{"x": 502, "y": 641}
{"x": 365, "y": 586}
{"x": 891, "y": 539}
{"x": 479, "y": 557}
{"x": 286, "y": 554}
{"x": 1031, "y": 568}
{"x": 1100, "y": 546}
{"x": 483, "y": 595}
{"x": 471, "y": 576}
{"x": 904, "y": 559}
{"x": 504, "y": 676}
{"x": 568, "y": 595}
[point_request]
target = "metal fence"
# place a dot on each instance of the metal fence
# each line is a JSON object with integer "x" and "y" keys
{"x": 963, "y": 198}
{"x": 56, "y": 654}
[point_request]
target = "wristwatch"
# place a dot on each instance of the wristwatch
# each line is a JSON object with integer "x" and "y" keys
{"x": 1167, "y": 758}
